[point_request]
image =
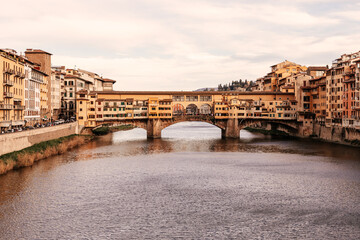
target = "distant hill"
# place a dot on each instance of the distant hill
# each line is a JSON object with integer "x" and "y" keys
{"x": 206, "y": 89}
{"x": 238, "y": 85}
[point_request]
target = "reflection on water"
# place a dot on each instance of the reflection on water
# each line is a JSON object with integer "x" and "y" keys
{"x": 189, "y": 184}
{"x": 203, "y": 137}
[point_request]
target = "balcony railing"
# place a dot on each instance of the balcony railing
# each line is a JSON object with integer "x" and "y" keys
{"x": 8, "y": 71}
{"x": 8, "y": 95}
{"x": 8, "y": 83}
{"x": 4, "y": 106}
{"x": 19, "y": 107}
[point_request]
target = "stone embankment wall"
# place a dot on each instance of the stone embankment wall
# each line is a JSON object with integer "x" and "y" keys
{"x": 11, "y": 142}
{"x": 336, "y": 134}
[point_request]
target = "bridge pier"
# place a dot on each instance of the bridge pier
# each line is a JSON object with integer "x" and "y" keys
{"x": 154, "y": 127}
{"x": 232, "y": 129}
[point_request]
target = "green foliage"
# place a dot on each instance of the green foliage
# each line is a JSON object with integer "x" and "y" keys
{"x": 107, "y": 129}
{"x": 235, "y": 85}
{"x": 101, "y": 130}
{"x": 39, "y": 147}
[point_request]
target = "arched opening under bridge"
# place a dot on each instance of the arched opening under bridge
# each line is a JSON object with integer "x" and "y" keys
{"x": 191, "y": 130}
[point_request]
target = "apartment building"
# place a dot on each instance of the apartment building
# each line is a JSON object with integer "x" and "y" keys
{"x": 351, "y": 98}
{"x": 78, "y": 80}
{"x": 34, "y": 82}
{"x": 339, "y": 78}
{"x": 43, "y": 59}
{"x": 57, "y": 90}
{"x": 278, "y": 78}
{"x": 12, "y": 82}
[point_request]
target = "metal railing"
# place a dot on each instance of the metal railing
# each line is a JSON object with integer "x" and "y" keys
{"x": 8, "y": 95}
{"x": 8, "y": 83}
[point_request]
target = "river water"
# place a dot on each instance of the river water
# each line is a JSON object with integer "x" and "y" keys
{"x": 190, "y": 184}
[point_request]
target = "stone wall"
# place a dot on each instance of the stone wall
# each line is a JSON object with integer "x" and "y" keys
{"x": 336, "y": 133}
{"x": 11, "y": 142}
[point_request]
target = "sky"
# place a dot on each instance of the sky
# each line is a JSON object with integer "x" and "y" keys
{"x": 182, "y": 44}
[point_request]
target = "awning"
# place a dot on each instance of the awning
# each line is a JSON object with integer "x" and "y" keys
{"x": 5, "y": 124}
{"x": 18, "y": 123}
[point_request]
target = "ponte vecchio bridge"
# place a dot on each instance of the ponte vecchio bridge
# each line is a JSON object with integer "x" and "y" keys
{"x": 154, "y": 111}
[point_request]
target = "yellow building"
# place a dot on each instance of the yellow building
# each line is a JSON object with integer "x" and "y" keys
{"x": 12, "y": 92}
{"x": 279, "y": 77}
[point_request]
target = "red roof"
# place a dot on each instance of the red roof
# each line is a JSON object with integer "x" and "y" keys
{"x": 30, "y": 51}
{"x": 108, "y": 80}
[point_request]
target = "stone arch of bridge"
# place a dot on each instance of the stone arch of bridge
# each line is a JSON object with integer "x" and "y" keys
{"x": 291, "y": 127}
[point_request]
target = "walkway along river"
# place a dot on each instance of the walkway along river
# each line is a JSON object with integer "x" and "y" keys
{"x": 189, "y": 184}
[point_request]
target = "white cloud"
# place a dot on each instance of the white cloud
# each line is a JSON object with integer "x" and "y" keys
{"x": 163, "y": 44}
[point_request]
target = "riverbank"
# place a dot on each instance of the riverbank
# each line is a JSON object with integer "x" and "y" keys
{"x": 28, "y": 156}
{"x": 108, "y": 129}
{"x": 320, "y": 137}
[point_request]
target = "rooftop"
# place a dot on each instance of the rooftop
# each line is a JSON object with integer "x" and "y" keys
{"x": 31, "y": 51}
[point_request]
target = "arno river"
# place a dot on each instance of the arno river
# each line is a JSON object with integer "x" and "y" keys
{"x": 190, "y": 184}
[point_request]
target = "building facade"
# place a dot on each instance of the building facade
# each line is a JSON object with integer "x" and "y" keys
{"x": 34, "y": 80}
{"x": 12, "y": 82}
{"x": 43, "y": 60}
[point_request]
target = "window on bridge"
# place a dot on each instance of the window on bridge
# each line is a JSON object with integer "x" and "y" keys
{"x": 205, "y": 109}
{"x": 178, "y": 98}
{"x": 205, "y": 98}
{"x": 192, "y": 98}
{"x": 178, "y": 110}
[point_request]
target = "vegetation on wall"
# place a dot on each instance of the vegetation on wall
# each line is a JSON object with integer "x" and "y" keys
{"x": 27, "y": 156}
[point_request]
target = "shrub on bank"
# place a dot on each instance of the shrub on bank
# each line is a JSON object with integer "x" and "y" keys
{"x": 27, "y": 156}
{"x": 106, "y": 129}
{"x": 101, "y": 130}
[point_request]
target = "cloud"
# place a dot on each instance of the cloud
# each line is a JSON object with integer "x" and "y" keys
{"x": 181, "y": 45}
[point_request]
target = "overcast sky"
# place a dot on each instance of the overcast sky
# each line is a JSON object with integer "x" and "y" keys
{"x": 182, "y": 44}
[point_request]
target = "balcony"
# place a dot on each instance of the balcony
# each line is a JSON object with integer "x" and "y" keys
{"x": 8, "y": 71}
{"x": 8, "y": 83}
{"x": 4, "y": 106}
{"x": 22, "y": 75}
{"x": 19, "y": 107}
{"x": 8, "y": 95}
